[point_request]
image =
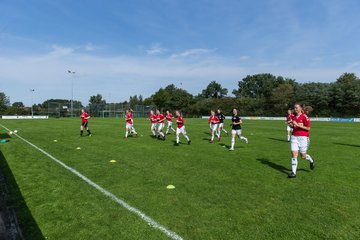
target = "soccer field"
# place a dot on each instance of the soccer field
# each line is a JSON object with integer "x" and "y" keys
{"x": 244, "y": 194}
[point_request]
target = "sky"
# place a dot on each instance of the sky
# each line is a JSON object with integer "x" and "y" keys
{"x": 122, "y": 48}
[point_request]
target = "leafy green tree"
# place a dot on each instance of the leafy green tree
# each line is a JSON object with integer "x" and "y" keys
{"x": 4, "y": 102}
{"x": 282, "y": 98}
{"x": 161, "y": 98}
{"x": 96, "y": 104}
{"x": 214, "y": 90}
{"x": 18, "y": 105}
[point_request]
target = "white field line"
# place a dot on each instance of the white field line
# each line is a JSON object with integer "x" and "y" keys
{"x": 143, "y": 216}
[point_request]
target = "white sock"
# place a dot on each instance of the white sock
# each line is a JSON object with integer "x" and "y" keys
{"x": 162, "y": 134}
{"x": 309, "y": 158}
{"x": 242, "y": 138}
{"x": 212, "y": 137}
{"x": 177, "y": 138}
{"x": 232, "y": 142}
{"x": 167, "y": 130}
{"x": 153, "y": 132}
{"x": 218, "y": 133}
{"x": 224, "y": 130}
{"x": 126, "y": 133}
{"x": 173, "y": 129}
{"x": 294, "y": 163}
{"x": 187, "y": 138}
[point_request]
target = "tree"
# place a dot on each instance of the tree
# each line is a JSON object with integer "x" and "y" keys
{"x": 282, "y": 97}
{"x": 4, "y": 102}
{"x": 161, "y": 98}
{"x": 96, "y": 104}
{"x": 214, "y": 90}
{"x": 18, "y": 105}
{"x": 345, "y": 94}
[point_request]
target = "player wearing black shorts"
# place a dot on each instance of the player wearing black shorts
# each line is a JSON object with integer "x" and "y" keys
{"x": 220, "y": 128}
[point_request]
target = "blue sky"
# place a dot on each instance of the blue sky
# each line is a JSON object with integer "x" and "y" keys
{"x": 122, "y": 48}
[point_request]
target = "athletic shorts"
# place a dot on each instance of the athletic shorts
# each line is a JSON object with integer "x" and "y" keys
{"x": 289, "y": 129}
{"x": 160, "y": 126}
{"x": 169, "y": 124}
{"x": 181, "y": 130}
{"x": 84, "y": 124}
{"x": 299, "y": 143}
{"x": 213, "y": 127}
{"x": 129, "y": 125}
{"x": 220, "y": 125}
{"x": 236, "y": 131}
{"x": 153, "y": 125}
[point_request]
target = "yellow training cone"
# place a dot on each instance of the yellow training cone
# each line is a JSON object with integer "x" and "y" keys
{"x": 170, "y": 187}
{"x": 55, "y": 140}
{"x": 113, "y": 161}
{"x": 78, "y": 148}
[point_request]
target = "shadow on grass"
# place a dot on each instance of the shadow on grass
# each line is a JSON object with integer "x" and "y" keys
{"x": 28, "y": 225}
{"x": 278, "y": 167}
{"x": 347, "y": 144}
{"x": 4, "y": 136}
{"x": 278, "y": 139}
{"x": 225, "y": 145}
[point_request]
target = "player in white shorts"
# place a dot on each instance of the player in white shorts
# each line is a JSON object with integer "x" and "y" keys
{"x": 129, "y": 124}
{"x": 161, "y": 122}
{"x": 236, "y": 129}
{"x": 213, "y": 120}
{"x": 299, "y": 139}
{"x": 288, "y": 120}
{"x": 153, "y": 121}
{"x": 180, "y": 128}
{"x": 220, "y": 127}
{"x": 169, "y": 116}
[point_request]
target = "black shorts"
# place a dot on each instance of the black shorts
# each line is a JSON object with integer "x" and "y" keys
{"x": 84, "y": 124}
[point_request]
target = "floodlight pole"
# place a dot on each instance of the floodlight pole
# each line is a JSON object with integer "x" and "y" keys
{"x": 72, "y": 91}
{"x": 32, "y": 102}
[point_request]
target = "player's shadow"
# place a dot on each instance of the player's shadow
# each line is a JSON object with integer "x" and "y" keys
{"x": 278, "y": 139}
{"x": 224, "y": 145}
{"x": 13, "y": 199}
{"x": 347, "y": 144}
{"x": 207, "y": 133}
{"x": 278, "y": 167}
{"x": 4, "y": 135}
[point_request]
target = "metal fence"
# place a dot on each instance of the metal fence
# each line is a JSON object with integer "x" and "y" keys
{"x": 58, "y": 110}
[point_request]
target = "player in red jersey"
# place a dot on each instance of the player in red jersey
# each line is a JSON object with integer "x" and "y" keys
{"x": 288, "y": 120}
{"x": 213, "y": 120}
{"x": 129, "y": 123}
{"x": 84, "y": 123}
{"x": 161, "y": 122}
{"x": 169, "y": 118}
{"x": 153, "y": 121}
{"x": 180, "y": 128}
{"x": 300, "y": 138}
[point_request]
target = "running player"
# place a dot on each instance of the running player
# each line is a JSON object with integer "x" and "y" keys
{"x": 288, "y": 120}
{"x": 153, "y": 121}
{"x": 84, "y": 123}
{"x": 180, "y": 128}
{"x": 299, "y": 139}
{"x": 129, "y": 124}
{"x": 220, "y": 128}
{"x": 169, "y": 116}
{"x": 161, "y": 122}
{"x": 213, "y": 120}
{"x": 236, "y": 129}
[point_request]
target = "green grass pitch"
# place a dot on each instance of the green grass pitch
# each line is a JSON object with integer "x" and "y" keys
{"x": 244, "y": 194}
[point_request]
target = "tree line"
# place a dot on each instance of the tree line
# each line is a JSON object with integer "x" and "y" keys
{"x": 256, "y": 95}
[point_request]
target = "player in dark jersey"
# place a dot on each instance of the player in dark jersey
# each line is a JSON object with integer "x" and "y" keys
{"x": 220, "y": 128}
{"x": 236, "y": 129}
{"x": 84, "y": 122}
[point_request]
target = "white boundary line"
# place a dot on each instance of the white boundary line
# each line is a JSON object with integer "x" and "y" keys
{"x": 130, "y": 208}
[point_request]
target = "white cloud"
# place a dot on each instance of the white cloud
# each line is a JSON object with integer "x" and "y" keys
{"x": 60, "y": 50}
{"x": 192, "y": 52}
{"x": 244, "y": 58}
{"x": 156, "y": 49}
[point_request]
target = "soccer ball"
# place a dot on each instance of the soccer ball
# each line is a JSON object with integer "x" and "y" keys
{"x": 15, "y": 131}
{"x": 11, "y": 132}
